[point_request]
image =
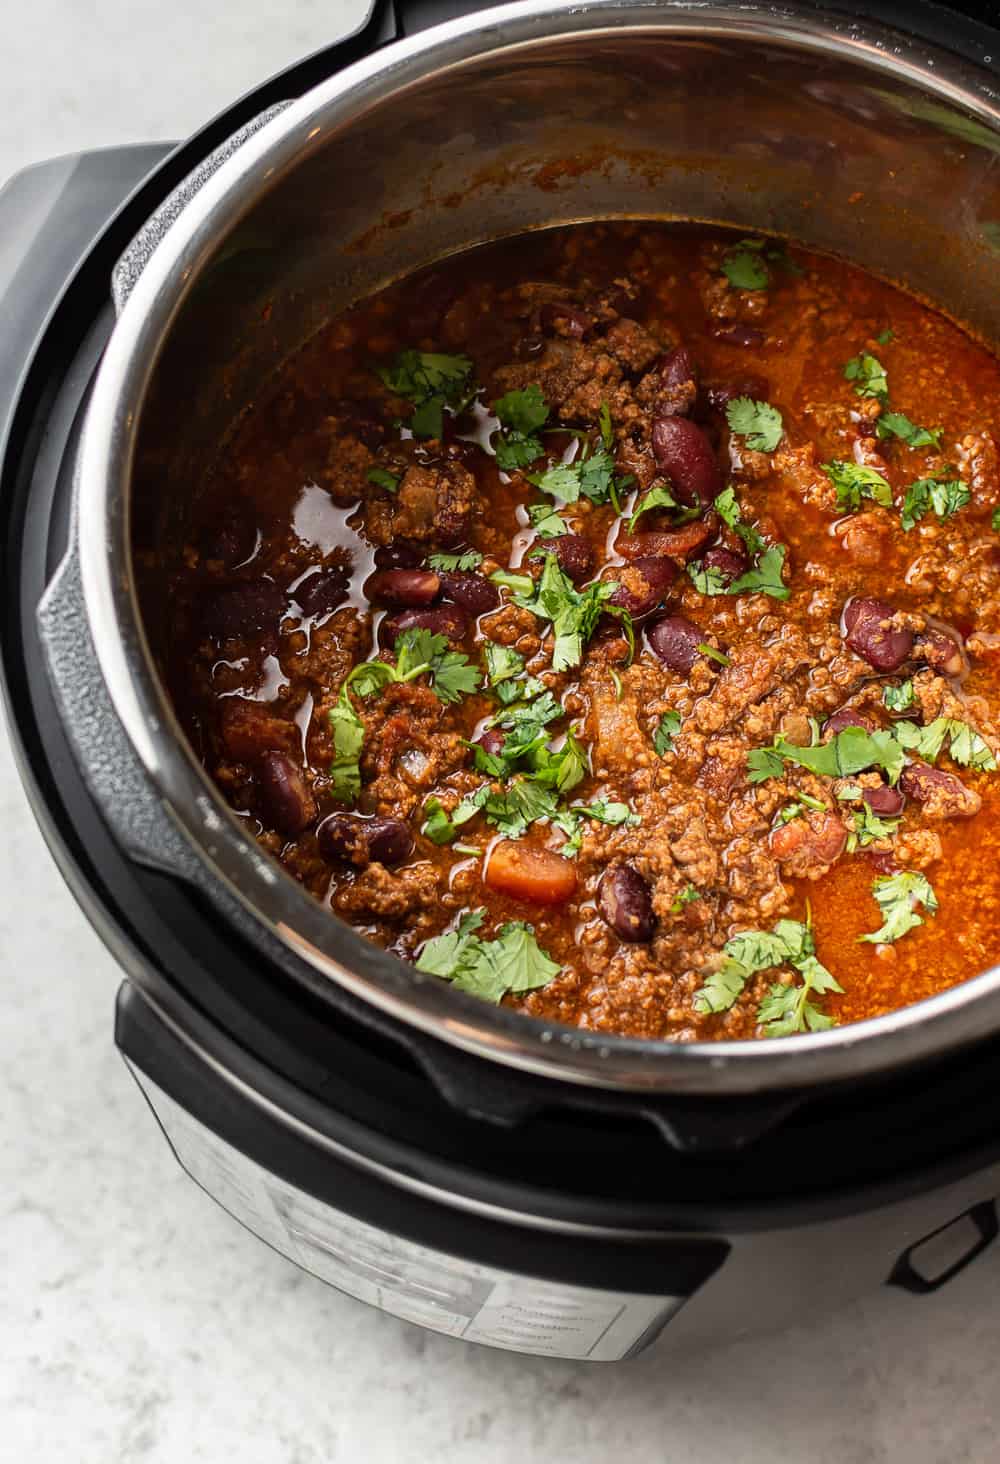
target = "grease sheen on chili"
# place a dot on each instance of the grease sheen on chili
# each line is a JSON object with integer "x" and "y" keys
{"x": 661, "y": 347}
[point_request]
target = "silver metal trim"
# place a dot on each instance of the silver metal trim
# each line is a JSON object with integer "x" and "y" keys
{"x": 958, "y": 1016}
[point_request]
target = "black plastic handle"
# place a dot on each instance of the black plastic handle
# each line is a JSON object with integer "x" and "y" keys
{"x": 906, "y": 1273}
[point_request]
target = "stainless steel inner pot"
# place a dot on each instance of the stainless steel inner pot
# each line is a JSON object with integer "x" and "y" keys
{"x": 847, "y": 137}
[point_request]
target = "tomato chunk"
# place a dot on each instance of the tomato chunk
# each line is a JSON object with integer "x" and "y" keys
{"x": 524, "y": 873}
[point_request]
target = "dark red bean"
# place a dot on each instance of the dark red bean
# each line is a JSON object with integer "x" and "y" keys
{"x": 676, "y": 367}
{"x": 230, "y": 539}
{"x": 870, "y": 635}
{"x": 287, "y": 799}
{"x": 625, "y": 903}
{"x": 846, "y": 717}
{"x": 243, "y": 609}
{"x": 351, "y": 838}
{"x": 677, "y": 389}
{"x": 728, "y": 562}
{"x": 400, "y": 554}
{"x": 942, "y": 652}
{"x": 866, "y": 428}
{"x": 675, "y": 641}
{"x": 491, "y": 741}
{"x": 684, "y": 453}
{"x": 679, "y": 544}
{"x": 447, "y": 620}
{"x": 575, "y": 555}
{"x": 738, "y": 335}
{"x": 718, "y": 394}
{"x": 881, "y": 860}
{"x": 322, "y": 592}
{"x": 943, "y": 795}
{"x": 407, "y": 588}
{"x": 474, "y": 592}
{"x": 885, "y": 801}
{"x": 642, "y": 585}
{"x": 566, "y": 319}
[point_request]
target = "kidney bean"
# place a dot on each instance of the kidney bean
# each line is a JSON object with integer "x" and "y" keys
{"x": 474, "y": 592}
{"x": 881, "y": 860}
{"x": 847, "y": 717}
{"x": 492, "y": 741}
{"x": 943, "y": 795}
{"x": 230, "y": 539}
{"x": 676, "y": 367}
{"x": 575, "y": 554}
{"x": 738, "y": 335}
{"x": 287, "y": 799}
{"x": 943, "y": 652}
{"x": 870, "y": 635}
{"x": 353, "y": 839}
{"x": 447, "y": 620}
{"x": 684, "y": 453}
{"x": 642, "y": 585}
{"x": 400, "y": 554}
{"x": 322, "y": 592}
{"x": 885, "y": 801}
{"x": 728, "y": 562}
{"x": 242, "y": 609}
{"x": 625, "y": 904}
{"x": 565, "y": 319}
{"x": 525, "y": 873}
{"x": 718, "y": 394}
{"x": 808, "y": 846}
{"x": 408, "y": 588}
{"x": 678, "y": 544}
{"x": 675, "y": 640}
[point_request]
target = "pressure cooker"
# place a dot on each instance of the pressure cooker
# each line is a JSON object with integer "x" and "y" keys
{"x": 470, "y": 1169}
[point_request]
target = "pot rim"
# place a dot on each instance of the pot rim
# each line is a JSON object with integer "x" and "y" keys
{"x": 330, "y": 949}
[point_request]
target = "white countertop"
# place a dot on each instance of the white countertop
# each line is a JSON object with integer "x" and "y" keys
{"x": 138, "y": 1321}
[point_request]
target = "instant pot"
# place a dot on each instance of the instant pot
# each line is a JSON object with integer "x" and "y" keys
{"x": 471, "y": 1169}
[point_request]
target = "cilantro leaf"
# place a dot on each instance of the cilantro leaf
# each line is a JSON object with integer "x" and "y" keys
{"x": 885, "y": 336}
{"x": 995, "y": 521}
{"x": 758, "y": 422}
{"x": 729, "y": 511}
{"x": 744, "y": 268}
{"x": 518, "y": 584}
{"x": 944, "y": 496}
{"x": 574, "y": 613}
{"x": 785, "y": 1009}
{"x": 896, "y": 896}
{"x": 563, "y": 482}
{"x": 897, "y": 424}
{"x": 899, "y": 698}
{"x": 867, "y": 827}
{"x": 512, "y": 961}
{"x": 660, "y": 497}
{"x": 765, "y": 577}
{"x": 437, "y": 826}
{"x": 719, "y": 657}
{"x": 966, "y": 746}
{"x": 854, "y": 482}
{"x": 382, "y": 478}
{"x": 348, "y": 738}
{"x": 546, "y": 522}
{"x": 521, "y": 414}
{"x": 851, "y": 751}
{"x": 419, "y": 653}
{"x": 869, "y": 376}
{"x": 468, "y": 559}
{"x": 597, "y": 473}
{"x": 666, "y": 730}
{"x": 687, "y": 896}
{"x": 502, "y": 663}
{"x": 431, "y": 381}
{"x": 607, "y": 430}
{"x": 445, "y": 955}
{"x": 707, "y": 578}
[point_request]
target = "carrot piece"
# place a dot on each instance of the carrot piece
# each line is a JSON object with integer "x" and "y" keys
{"x": 524, "y": 873}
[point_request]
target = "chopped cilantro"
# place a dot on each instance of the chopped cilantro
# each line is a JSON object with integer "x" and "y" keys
{"x": 546, "y": 522}
{"x": 574, "y": 613}
{"x": 896, "y": 424}
{"x": 713, "y": 655}
{"x": 854, "y": 482}
{"x": 729, "y": 511}
{"x": 885, "y": 336}
{"x": 562, "y": 481}
{"x": 758, "y": 422}
{"x": 382, "y": 478}
{"x": 432, "y": 382}
{"x": 512, "y": 961}
{"x": 797, "y": 809}
{"x": 687, "y": 896}
{"x": 502, "y": 663}
{"x": 899, "y": 698}
{"x": 896, "y": 896}
{"x": 868, "y": 374}
{"x": 995, "y": 521}
{"x": 592, "y": 477}
{"x": 707, "y": 579}
{"x": 666, "y": 730}
{"x": 944, "y": 496}
{"x": 348, "y": 737}
{"x": 469, "y": 559}
{"x": 521, "y": 414}
{"x": 659, "y": 497}
{"x": 744, "y": 268}
{"x": 437, "y": 826}
{"x": 518, "y": 584}
{"x": 419, "y": 653}
{"x": 765, "y": 577}
{"x": 786, "y": 1009}
{"x": 849, "y": 752}
{"x": 966, "y": 747}
{"x": 607, "y": 430}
